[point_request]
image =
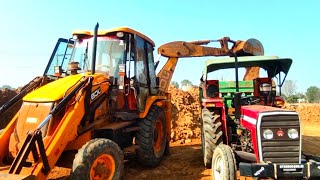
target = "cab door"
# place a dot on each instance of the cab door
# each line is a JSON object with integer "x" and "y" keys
{"x": 142, "y": 80}
{"x": 60, "y": 56}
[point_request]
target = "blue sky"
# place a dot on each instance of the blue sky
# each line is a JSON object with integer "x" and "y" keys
{"x": 30, "y": 29}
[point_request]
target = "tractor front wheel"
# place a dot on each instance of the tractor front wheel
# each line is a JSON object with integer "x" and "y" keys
{"x": 211, "y": 134}
{"x": 98, "y": 159}
{"x": 223, "y": 163}
{"x": 151, "y": 137}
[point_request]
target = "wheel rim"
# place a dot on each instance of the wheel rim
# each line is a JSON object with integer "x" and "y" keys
{"x": 103, "y": 167}
{"x": 218, "y": 169}
{"x": 158, "y": 136}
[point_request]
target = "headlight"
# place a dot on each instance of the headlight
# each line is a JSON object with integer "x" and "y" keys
{"x": 293, "y": 133}
{"x": 267, "y": 134}
{"x": 212, "y": 91}
{"x": 265, "y": 88}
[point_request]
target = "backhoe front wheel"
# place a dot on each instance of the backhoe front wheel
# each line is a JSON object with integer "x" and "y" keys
{"x": 98, "y": 159}
{"x": 223, "y": 163}
{"x": 151, "y": 137}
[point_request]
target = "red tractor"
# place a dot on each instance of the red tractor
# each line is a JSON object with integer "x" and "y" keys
{"x": 243, "y": 125}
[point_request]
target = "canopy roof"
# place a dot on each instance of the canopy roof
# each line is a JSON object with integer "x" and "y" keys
{"x": 118, "y": 29}
{"x": 272, "y": 64}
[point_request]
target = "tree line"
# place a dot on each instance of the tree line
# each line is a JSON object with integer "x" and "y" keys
{"x": 288, "y": 91}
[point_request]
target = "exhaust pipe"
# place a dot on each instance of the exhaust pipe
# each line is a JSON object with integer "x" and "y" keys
{"x": 94, "y": 52}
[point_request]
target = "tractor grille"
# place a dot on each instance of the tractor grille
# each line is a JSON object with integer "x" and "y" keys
{"x": 280, "y": 149}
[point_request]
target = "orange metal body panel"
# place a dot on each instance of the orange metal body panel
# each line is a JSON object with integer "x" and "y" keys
{"x": 150, "y": 101}
{"x": 30, "y": 116}
{"x": 65, "y": 133}
{"x": 165, "y": 75}
{"x": 79, "y": 141}
{"x": 5, "y": 137}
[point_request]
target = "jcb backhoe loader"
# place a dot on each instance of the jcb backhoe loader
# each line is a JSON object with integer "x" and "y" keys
{"x": 101, "y": 98}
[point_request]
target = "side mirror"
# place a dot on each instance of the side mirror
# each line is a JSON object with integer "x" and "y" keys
{"x": 57, "y": 71}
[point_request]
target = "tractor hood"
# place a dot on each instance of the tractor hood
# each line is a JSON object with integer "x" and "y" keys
{"x": 251, "y": 113}
{"x": 53, "y": 91}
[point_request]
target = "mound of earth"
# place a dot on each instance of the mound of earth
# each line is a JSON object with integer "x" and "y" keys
{"x": 185, "y": 115}
{"x": 5, "y": 96}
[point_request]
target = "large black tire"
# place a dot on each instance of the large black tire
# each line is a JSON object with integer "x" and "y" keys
{"x": 211, "y": 134}
{"x": 223, "y": 163}
{"x": 100, "y": 158}
{"x": 151, "y": 137}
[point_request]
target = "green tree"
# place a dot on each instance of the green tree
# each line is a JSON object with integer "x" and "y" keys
{"x": 292, "y": 98}
{"x": 6, "y": 87}
{"x": 289, "y": 88}
{"x": 175, "y": 84}
{"x": 186, "y": 82}
{"x": 313, "y": 94}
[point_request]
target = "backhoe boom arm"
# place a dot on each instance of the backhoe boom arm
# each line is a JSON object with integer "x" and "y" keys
{"x": 182, "y": 49}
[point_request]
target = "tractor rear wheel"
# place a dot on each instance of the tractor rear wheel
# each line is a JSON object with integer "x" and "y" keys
{"x": 223, "y": 163}
{"x": 151, "y": 137}
{"x": 211, "y": 134}
{"x": 98, "y": 159}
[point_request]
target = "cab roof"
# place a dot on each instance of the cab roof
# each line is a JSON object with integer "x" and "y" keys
{"x": 272, "y": 64}
{"x": 84, "y": 33}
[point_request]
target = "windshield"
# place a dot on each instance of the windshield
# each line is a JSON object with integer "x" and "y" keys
{"x": 110, "y": 52}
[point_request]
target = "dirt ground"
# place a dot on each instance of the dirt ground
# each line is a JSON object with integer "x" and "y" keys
{"x": 185, "y": 159}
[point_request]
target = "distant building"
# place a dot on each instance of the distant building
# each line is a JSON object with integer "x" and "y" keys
{"x": 301, "y": 100}
{"x": 187, "y": 87}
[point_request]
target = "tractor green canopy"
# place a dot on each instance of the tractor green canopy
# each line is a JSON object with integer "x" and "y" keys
{"x": 272, "y": 64}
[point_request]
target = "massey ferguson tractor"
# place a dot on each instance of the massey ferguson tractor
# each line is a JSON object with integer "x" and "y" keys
{"x": 243, "y": 125}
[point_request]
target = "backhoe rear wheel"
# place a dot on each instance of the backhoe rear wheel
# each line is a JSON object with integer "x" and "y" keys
{"x": 151, "y": 137}
{"x": 98, "y": 159}
{"x": 211, "y": 134}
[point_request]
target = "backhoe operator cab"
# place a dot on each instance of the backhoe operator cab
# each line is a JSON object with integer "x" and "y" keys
{"x": 123, "y": 55}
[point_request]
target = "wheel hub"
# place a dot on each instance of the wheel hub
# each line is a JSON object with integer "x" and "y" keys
{"x": 158, "y": 136}
{"x": 103, "y": 168}
{"x": 218, "y": 168}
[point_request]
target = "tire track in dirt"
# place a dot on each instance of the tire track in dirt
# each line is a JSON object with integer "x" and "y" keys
{"x": 184, "y": 162}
